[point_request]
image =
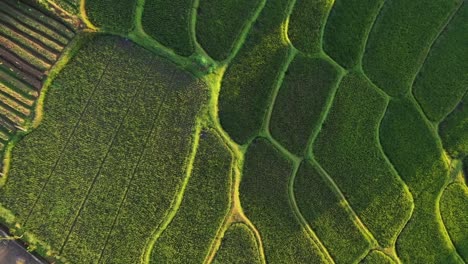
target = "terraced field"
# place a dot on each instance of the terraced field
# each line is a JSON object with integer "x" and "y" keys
{"x": 269, "y": 131}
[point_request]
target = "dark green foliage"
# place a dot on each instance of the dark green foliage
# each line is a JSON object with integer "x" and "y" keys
{"x": 169, "y": 22}
{"x": 238, "y": 247}
{"x": 347, "y": 27}
{"x": 111, "y": 15}
{"x": 377, "y": 257}
{"x": 348, "y": 149}
{"x": 327, "y": 216}
{"x": 412, "y": 147}
{"x": 93, "y": 165}
{"x": 453, "y": 207}
{"x": 250, "y": 78}
{"x": 206, "y": 201}
{"x": 305, "y": 91}
{"x": 305, "y": 24}
{"x": 453, "y": 130}
{"x": 220, "y": 23}
{"x": 443, "y": 79}
{"x": 265, "y": 198}
{"x": 400, "y": 39}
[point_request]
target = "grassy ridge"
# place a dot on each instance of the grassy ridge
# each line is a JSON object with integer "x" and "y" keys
{"x": 219, "y": 24}
{"x": 412, "y": 148}
{"x": 238, "y": 247}
{"x": 346, "y": 30}
{"x": 169, "y": 22}
{"x": 399, "y": 41}
{"x": 327, "y": 216}
{"x": 359, "y": 167}
{"x": 454, "y": 205}
{"x": 377, "y": 257}
{"x": 110, "y": 15}
{"x": 206, "y": 201}
{"x": 305, "y": 90}
{"x": 251, "y": 76}
{"x": 453, "y": 130}
{"x": 443, "y": 79}
{"x": 265, "y": 199}
{"x": 305, "y": 24}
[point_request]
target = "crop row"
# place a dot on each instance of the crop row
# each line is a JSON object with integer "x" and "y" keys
{"x": 170, "y": 23}
{"x": 251, "y": 77}
{"x": 205, "y": 203}
{"x": 443, "y": 80}
{"x": 264, "y": 193}
{"x": 327, "y": 216}
{"x": 307, "y": 87}
{"x": 305, "y": 24}
{"x": 454, "y": 205}
{"x": 417, "y": 156}
{"x": 238, "y": 247}
{"x": 220, "y": 23}
{"x": 399, "y": 41}
{"x": 359, "y": 167}
{"x": 347, "y": 27}
{"x": 114, "y": 16}
{"x": 453, "y": 130}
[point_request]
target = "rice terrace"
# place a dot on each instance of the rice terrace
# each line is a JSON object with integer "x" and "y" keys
{"x": 233, "y": 131}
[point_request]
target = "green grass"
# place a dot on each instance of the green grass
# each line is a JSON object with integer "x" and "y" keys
{"x": 454, "y": 205}
{"x": 327, "y": 216}
{"x": 265, "y": 199}
{"x": 220, "y": 24}
{"x": 238, "y": 247}
{"x": 206, "y": 201}
{"x": 301, "y": 100}
{"x": 453, "y": 130}
{"x": 250, "y": 78}
{"x": 110, "y": 15}
{"x": 347, "y": 27}
{"x": 414, "y": 151}
{"x": 100, "y": 163}
{"x": 377, "y": 257}
{"x": 443, "y": 79}
{"x": 169, "y": 22}
{"x": 400, "y": 40}
{"x": 348, "y": 149}
{"x": 306, "y": 23}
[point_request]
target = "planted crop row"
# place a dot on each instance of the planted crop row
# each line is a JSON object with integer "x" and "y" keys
{"x": 238, "y": 247}
{"x": 453, "y": 206}
{"x": 453, "y": 130}
{"x": 377, "y": 257}
{"x": 347, "y": 27}
{"x": 106, "y": 155}
{"x": 220, "y": 23}
{"x": 443, "y": 78}
{"x": 359, "y": 167}
{"x": 301, "y": 100}
{"x": 265, "y": 198}
{"x": 114, "y": 16}
{"x": 170, "y": 23}
{"x": 250, "y": 78}
{"x": 327, "y": 216}
{"x": 400, "y": 40}
{"x": 190, "y": 234}
{"x": 305, "y": 24}
{"x": 412, "y": 147}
